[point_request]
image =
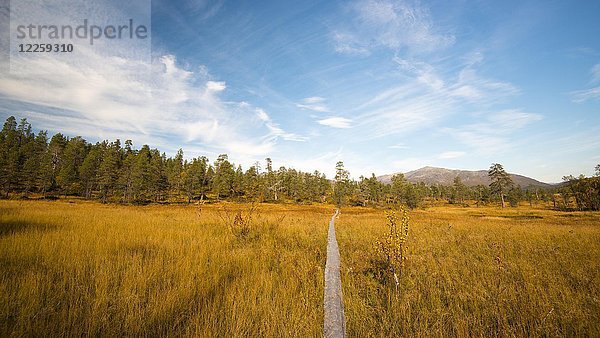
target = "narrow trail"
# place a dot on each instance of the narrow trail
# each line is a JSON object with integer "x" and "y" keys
{"x": 334, "y": 322}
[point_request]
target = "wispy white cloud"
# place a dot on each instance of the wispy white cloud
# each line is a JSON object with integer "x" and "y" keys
{"x": 423, "y": 72}
{"x": 513, "y": 119}
{"x": 99, "y": 94}
{"x": 451, "y": 154}
{"x": 336, "y": 122}
{"x": 314, "y": 103}
{"x": 324, "y": 162}
{"x": 580, "y": 96}
{"x": 480, "y": 139}
{"x": 474, "y": 88}
{"x": 595, "y": 73}
{"x": 204, "y": 9}
{"x": 275, "y": 129}
{"x": 313, "y": 99}
{"x": 392, "y": 24}
{"x": 473, "y": 58}
{"x": 494, "y": 132}
{"x": 467, "y": 84}
{"x": 428, "y": 96}
{"x": 346, "y": 43}
{"x": 399, "y": 146}
{"x": 215, "y": 86}
{"x": 160, "y": 104}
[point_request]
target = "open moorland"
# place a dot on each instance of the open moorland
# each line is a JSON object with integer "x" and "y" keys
{"x": 475, "y": 272}
{"x": 84, "y": 268}
{"x": 90, "y": 269}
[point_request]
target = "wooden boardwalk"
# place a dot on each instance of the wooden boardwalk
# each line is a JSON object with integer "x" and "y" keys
{"x": 334, "y": 321}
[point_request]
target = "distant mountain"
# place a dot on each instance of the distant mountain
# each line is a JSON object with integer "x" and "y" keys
{"x": 432, "y": 175}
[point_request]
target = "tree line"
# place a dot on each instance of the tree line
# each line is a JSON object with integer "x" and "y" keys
{"x": 371, "y": 191}
{"x": 115, "y": 172}
{"x": 583, "y": 192}
{"x": 33, "y": 163}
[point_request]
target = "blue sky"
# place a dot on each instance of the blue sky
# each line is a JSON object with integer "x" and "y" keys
{"x": 384, "y": 86}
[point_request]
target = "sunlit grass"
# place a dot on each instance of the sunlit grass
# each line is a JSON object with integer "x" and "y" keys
{"x": 90, "y": 269}
{"x": 475, "y": 272}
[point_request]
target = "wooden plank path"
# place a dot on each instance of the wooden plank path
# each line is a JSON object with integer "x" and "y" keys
{"x": 334, "y": 324}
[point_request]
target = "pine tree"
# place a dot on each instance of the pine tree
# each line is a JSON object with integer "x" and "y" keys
{"x": 237, "y": 184}
{"x": 108, "y": 170}
{"x": 141, "y": 175}
{"x": 204, "y": 173}
{"x": 271, "y": 186}
{"x": 398, "y": 187}
{"x": 252, "y": 183}
{"x": 501, "y": 181}
{"x": 32, "y": 168}
{"x": 126, "y": 172}
{"x": 459, "y": 190}
{"x": 88, "y": 172}
{"x": 9, "y": 155}
{"x": 342, "y": 182}
{"x": 158, "y": 181}
{"x": 175, "y": 171}
{"x": 25, "y": 151}
{"x": 194, "y": 178}
{"x": 72, "y": 158}
{"x": 223, "y": 177}
{"x": 51, "y": 163}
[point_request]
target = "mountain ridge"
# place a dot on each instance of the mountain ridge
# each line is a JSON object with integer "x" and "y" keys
{"x": 435, "y": 175}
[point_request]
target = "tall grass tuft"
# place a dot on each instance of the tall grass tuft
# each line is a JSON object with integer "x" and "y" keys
{"x": 393, "y": 246}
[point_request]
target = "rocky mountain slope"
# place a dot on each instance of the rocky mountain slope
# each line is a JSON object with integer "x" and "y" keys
{"x": 433, "y": 175}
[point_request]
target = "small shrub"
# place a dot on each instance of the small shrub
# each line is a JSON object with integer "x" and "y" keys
{"x": 392, "y": 248}
{"x": 239, "y": 223}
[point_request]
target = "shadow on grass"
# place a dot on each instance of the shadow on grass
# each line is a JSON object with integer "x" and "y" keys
{"x": 13, "y": 227}
{"x": 517, "y": 217}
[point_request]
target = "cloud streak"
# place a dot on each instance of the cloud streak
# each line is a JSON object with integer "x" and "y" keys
{"x": 451, "y": 154}
{"x": 336, "y": 122}
{"x": 275, "y": 129}
{"x": 581, "y": 96}
{"x": 493, "y": 133}
{"x": 158, "y": 103}
{"x": 314, "y": 103}
{"x": 428, "y": 96}
{"x": 390, "y": 24}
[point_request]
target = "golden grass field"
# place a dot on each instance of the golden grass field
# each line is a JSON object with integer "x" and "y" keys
{"x": 475, "y": 272}
{"x": 91, "y": 269}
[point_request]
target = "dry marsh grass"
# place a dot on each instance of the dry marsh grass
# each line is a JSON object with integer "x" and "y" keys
{"x": 89, "y": 269}
{"x": 475, "y": 272}
{"x": 106, "y": 270}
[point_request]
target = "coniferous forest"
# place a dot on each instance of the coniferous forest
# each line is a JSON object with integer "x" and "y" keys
{"x": 51, "y": 166}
